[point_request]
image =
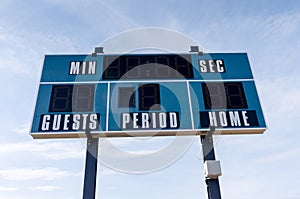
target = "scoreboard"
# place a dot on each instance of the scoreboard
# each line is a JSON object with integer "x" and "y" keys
{"x": 113, "y": 95}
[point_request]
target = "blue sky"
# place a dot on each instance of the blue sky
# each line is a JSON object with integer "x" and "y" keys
{"x": 254, "y": 166}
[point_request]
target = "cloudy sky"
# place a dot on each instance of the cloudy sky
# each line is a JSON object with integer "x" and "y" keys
{"x": 254, "y": 166}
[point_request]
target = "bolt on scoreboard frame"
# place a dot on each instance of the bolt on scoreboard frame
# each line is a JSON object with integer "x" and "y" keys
{"x": 113, "y": 95}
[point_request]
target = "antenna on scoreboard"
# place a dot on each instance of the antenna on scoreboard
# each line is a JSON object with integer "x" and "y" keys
{"x": 98, "y": 50}
{"x": 195, "y": 49}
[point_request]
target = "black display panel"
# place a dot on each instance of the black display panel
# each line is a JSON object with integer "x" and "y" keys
{"x": 126, "y": 97}
{"x": 252, "y": 120}
{"x": 76, "y": 122}
{"x": 229, "y": 95}
{"x": 147, "y": 67}
{"x": 72, "y": 98}
{"x": 149, "y": 97}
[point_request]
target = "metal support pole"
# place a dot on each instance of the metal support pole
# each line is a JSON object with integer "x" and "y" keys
{"x": 90, "y": 176}
{"x": 213, "y": 186}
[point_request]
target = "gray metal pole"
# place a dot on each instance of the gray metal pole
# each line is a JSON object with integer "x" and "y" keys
{"x": 213, "y": 186}
{"x": 90, "y": 176}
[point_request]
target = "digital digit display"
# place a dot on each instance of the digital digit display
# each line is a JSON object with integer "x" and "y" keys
{"x": 147, "y": 67}
{"x": 214, "y": 98}
{"x": 72, "y": 98}
{"x": 126, "y": 97}
{"x": 149, "y": 97}
{"x": 113, "y": 70}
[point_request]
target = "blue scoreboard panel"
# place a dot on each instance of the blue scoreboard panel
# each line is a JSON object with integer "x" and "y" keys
{"x": 146, "y": 95}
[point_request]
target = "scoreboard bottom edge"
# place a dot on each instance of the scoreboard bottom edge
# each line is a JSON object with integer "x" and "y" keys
{"x": 111, "y": 134}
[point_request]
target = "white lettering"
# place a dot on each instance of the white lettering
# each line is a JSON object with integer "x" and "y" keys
{"x": 92, "y": 67}
{"x": 74, "y": 69}
{"x": 212, "y": 119}
{"x": 203, "y": 67}
{"x": 223, "y": 119}
{"x": 245, "y": 118}
{"x": 66, "y": 122}
{"x": 162, "y": 120}
{"x": 83, "y": 67}
{"x": 45, "y": 123}
{"x": 211, "y": 65}
{"x": 234, "y": 118}
{"x": 125, "y": 120}
{"x": 93, "y": 121}
{"x": 84, "y": 116}
{"x": 56, "y": 122}
{"x": 76, "y": 122}
{"x": 150, "y": 120}
{"x": 145, "y": 120}
{"x": 153, "y": 121}
{"x": 220, "y": 67}
{"x": 135, "y": 120}
{"x": 173, "y": 120}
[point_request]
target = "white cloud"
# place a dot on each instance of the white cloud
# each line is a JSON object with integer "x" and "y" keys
{"x": 22, "y": 129}
{"x": 24, "y": 50}
{"x": 47, "y": 188}
{"x": 289, "y": 154}
{"x": 281, "y": 96}
{"x": 55, "y": 150}
{"x": 8, "y": 189}
{"x": 273, "y": 36}
{"x": 99, "y": 12}
{"x": 281, "y": 26}
{"x": 11, "y": 51}
{"x": 245, "y": 143}
{"x": 142, "y": 157}
{"x": 107, "y": 172}
{"x": 24, "y": 174}
{"x": 160, "y": 39}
